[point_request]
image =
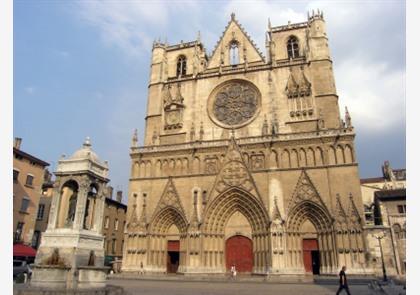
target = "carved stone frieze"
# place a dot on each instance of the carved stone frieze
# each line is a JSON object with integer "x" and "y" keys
{"x": 257, "y": 162}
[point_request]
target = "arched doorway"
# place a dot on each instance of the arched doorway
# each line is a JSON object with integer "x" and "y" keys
{"x": 167, "y": 238}
{"x": 310, "y": 239}
{"x": 239, "y": 254}
{"x": 233, "y": 211}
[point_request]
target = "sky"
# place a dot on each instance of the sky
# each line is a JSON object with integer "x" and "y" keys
{"x": 82, "y": 69}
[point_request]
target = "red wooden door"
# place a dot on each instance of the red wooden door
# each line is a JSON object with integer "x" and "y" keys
{"x": 308, "y": 246}
{"x": 172, "y": 257}
{"x": 239, "y": 253}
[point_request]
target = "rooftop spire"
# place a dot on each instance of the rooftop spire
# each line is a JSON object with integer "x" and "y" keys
{"x": 232, "y": 16}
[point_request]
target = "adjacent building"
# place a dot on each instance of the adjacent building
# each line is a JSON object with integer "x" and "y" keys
{"x": 43, "y": 211}
{"x": 390, "y": 179}
{"x": 28, "y": 177}
{"x": 384, "y": 201}
{"x": 246, "y": 160}
{"x": 113, "y": 226}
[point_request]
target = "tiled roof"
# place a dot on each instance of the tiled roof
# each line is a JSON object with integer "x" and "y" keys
{"x": 30, "y": 157}
{"x": 392, "y": 193}
{"x": 372, "y": 180}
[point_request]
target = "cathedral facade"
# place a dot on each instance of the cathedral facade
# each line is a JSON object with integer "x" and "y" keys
{"x": 246, "y": 160}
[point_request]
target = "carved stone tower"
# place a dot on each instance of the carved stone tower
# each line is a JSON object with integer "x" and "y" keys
{"x": 246, "y": 160}
{"x": 71, "y": 253}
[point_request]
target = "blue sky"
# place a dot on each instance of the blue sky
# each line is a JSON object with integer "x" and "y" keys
{"x": 82, "y": 68}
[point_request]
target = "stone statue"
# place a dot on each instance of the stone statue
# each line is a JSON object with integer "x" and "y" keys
{"x": 192, "y": 132}
{"x": 134, "y": 139}
{"x": 72, "y": 208}
{"x": 320, "y": 122}
{"x": 201, "y": 131}
{"x": 265, "y": 127}
{"x": 91, "y": 261}
{"x": 348, "y": 118}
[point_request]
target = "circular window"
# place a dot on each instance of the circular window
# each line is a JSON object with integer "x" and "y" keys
{"x": 234, "y": 103}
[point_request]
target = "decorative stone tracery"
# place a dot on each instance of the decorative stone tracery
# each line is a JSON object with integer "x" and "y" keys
{"x": 234, "y": 103}
{"x": 173, "y": 107}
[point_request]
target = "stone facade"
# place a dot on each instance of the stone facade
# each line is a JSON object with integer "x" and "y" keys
{"x": 238, "y": 144}
{"x": 28, "y": 177}
{"x": 44, "y": 207}
{"x": 390, "y": 223}
{"x": 113, "y": 226}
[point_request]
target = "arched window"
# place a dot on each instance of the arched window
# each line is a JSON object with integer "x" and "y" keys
{"x": 292, "y": 47}
{"x": 234, "y": 53}
{"x": 397, "y": 231}
{"x": 181, "y": 66}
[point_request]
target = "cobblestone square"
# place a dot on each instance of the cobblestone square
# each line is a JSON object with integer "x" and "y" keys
{"x": 150, "y": 287}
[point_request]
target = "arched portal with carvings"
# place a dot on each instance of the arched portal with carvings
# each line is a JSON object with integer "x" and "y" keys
{"x": 310, "y": 239}
{"x": 167, "y": 240}
{"x": 235, "y": 207}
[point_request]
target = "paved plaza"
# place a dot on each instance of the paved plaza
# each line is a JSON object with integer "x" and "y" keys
{"x": 151, "y": 287}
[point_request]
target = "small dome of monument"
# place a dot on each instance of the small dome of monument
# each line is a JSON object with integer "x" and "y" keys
{"x": 85, "y": 152}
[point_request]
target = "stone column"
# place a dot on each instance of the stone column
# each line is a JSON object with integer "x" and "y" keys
{"x": 99, "y": 209}
{"x": 55, "y": 206}
{"x": 81, "y": 206}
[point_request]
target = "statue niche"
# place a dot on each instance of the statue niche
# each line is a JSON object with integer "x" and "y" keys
{"x": 173, "y": 108}
{"x": 68, "y": 202}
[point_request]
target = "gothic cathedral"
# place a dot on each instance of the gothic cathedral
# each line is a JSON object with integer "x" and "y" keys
{"x": 246, "y": 160}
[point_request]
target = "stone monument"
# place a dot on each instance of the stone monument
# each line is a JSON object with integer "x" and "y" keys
{"x": 71, "y": 254}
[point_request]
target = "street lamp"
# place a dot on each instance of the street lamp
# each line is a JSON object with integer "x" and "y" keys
{"x": 380, "y": 237}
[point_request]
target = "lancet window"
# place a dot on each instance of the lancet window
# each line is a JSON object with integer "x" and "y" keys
{"x": 292, "y": 47}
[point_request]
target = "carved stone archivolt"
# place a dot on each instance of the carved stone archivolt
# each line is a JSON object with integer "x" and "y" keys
{"x": 234, "y": 103}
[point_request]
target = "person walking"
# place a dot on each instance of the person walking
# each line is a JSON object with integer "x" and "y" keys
{"x": 343, "y": 281}
{"x": 141, "y": 268}
{"x": 233, "y": 272}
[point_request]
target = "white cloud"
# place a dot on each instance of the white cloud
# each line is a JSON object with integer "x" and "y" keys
{"x": 129, "y": 25}
{"x": 30, "y": 90}
{"x": 374, "y": 94}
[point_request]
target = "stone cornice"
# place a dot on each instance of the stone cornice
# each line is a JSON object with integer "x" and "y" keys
{"x": 239, "y": 69}
{"x": 270, "y": 170}
{"x": 306, "y": 137}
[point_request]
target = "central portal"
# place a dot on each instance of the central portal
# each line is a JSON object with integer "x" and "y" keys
{"x": 239, "y": 254}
